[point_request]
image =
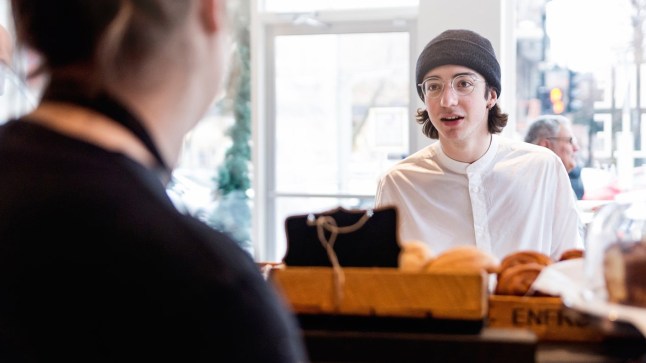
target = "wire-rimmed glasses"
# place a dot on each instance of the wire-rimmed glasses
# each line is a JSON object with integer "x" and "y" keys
{"x": 462, "y": 85}
{"x": 569, "y": 140}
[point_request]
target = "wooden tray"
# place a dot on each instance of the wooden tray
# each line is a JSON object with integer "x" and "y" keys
{"x": 547, "y": 317}
{"x": 384, "y": 292}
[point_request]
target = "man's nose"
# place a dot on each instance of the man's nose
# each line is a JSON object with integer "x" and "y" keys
{"x": 448, "y": 97}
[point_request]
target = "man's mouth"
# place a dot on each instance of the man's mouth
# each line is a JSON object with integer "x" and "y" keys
{"x": 451, "y": 118}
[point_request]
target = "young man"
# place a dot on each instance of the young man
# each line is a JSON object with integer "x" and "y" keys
{"x": 473, "y": 187}
{"x": 554, "y": 132}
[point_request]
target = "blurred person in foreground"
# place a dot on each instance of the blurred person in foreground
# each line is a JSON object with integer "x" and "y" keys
{"x": 6, "y": 47}
{"x": 473, "y": 186}
{"x": 15, "y": 97}
{"x": 6, "y": 58}
{"x": 96, "y": 263}
{"x": 555, "y": 133}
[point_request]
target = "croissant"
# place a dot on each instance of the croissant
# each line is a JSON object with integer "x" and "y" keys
{"x": 570, "y": 254}
{"x": 518, "y": 279}
{"x": 522, "y": 257}
{"x": 464, "y": 258}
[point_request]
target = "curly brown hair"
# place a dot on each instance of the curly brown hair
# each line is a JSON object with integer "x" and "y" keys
{"x": 496, "y": 120}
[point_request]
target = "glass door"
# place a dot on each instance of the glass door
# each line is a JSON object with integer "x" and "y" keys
{"x": 340, "y": 96}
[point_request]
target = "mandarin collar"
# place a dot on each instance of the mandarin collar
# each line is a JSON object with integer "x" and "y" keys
{"x": 464, "y": 168}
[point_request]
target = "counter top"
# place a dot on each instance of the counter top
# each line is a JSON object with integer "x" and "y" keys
{"x": 489, "y": 345}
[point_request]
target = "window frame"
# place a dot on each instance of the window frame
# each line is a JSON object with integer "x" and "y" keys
{"x": 268, "y": 26}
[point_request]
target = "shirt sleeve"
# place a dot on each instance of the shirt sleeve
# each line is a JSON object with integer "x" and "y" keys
{"x": 568, "y": 227}
{"x": 381, "y": 195}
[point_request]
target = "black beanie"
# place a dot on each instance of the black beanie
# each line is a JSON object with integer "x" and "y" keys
{"x": 460, "y": 47}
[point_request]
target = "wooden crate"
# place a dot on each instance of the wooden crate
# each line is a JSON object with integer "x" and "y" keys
{"x": 384, "y": 292}
{"x": 547, "y": 317}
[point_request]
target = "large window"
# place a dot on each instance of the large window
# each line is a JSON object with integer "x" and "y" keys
{"x": 339, "y": 95}
{"x": 599, "y": 76}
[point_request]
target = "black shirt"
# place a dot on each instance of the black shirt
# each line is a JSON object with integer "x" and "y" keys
{"x": 96, "y": 264}
{"x": 577, "y": 183}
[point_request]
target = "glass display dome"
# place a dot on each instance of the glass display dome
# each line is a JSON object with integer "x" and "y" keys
{"x": 615, "y": 262}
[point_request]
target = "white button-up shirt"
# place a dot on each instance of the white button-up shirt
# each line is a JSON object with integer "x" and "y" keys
{"x": 517, "y": 196}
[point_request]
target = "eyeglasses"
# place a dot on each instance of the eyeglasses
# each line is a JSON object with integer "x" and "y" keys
{"x": 462, "y": 85}
{"x": 570, "y": 139}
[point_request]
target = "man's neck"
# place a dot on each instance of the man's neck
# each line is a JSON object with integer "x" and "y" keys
{"x": 466, "y": 151}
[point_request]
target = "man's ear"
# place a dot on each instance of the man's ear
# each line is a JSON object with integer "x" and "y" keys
{"x": 493, "y": 96}
{"x": 211, "y": 14}
{"x": 544, "y": 142}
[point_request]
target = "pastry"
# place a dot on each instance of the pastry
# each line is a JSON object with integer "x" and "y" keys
{"x": 522, "y": 257}
{"x": 518, "y": 279}
{"x": 463, "y": 258}
{"x": 570, "y": 254}
{"x": 413, "y": 256}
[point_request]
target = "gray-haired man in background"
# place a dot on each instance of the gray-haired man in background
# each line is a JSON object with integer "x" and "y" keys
{"x": 555, "y": 133}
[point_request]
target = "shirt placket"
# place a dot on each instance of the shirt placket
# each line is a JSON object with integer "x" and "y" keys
{"x": 479, "y": 209}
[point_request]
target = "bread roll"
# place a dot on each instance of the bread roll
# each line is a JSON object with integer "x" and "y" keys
{"x": 518, "y": 279}
{"x": 463, "y": 258}
{"x": 413, "y": 256}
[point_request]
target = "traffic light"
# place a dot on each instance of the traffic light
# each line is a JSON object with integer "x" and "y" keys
{"x": 554, "y": 93}
{"x": 544, "y": 97}
{"x": 556, "y": 99}
{"x": 575, "y": 92}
